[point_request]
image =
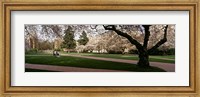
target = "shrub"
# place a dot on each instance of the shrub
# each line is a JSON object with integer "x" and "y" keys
{"x": 59, "y": 49}
{"x": 171, "y": 51}
{"x": 156, "y": 52}
{"x": 132, "y": 51}
{"x": 31, "y": 51}
{"x": 163, "y": 52}
{"x": 114, "y": 52}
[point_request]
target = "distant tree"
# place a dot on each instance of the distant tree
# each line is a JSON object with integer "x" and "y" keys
{"x": 115, "y": 43}
{"x": 80, "y": 48}
{"x": 83, "y": 39}
{"x": 89, "y": 48}
{"x": 51, "y": 31}
{"x": 45, "y": 45}
{"x": 31, "y": 36}
{"x": 69, "y": 41}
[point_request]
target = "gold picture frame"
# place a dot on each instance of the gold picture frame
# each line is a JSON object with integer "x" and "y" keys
{"x": 142, "y": 5}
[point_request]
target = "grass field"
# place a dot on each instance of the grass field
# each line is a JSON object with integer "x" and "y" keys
{"x": 164, "y": 59}
{"x": 86, "y": 63}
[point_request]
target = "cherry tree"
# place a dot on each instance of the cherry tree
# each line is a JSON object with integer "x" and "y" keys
{"x": 142, "y": 48}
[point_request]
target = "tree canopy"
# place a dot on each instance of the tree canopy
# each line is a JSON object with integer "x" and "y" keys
{"x": 83, "y": 40}
{"x": 69, "y": 41}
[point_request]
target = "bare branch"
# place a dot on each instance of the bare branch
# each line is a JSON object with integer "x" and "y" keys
{"x": 133, "y": 41}
{"x": 109, "y": 27}
{"x": 147, "y": 34}
{"x": 162, "y": 41}
{"x": 95, "y": 27}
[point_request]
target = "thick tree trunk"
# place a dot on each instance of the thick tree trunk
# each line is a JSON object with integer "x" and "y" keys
{"x": 143, "y": 59}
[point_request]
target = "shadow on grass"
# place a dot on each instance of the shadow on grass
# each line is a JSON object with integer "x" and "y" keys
{"x": 37, "y": 70}
{"x": 87, "y": 63}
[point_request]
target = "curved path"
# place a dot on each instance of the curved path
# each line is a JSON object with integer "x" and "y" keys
{"x": 169, "y": 67}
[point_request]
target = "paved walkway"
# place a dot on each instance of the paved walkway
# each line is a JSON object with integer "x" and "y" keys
{"x": 166, "y": 66}
{"x": 66, "y": 68}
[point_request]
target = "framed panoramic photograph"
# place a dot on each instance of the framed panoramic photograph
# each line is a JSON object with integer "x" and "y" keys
{"x": 100, "y": 48}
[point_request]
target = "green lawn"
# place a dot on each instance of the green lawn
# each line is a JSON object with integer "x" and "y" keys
{"x": 87, "y": 63}
{"x": 164, "y": 59}
{"x": 167, "y": 56}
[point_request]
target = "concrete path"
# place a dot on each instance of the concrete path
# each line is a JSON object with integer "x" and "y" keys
{"x": 66, "y": 68}
{"x": 169, "y": 67}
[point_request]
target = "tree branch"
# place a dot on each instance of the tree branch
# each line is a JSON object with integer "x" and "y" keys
{"x": 133, "y": 41}
{"x": 162, "y": 41}
{"x": 147, "y": 34}
{"x": 95, "y": 27}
